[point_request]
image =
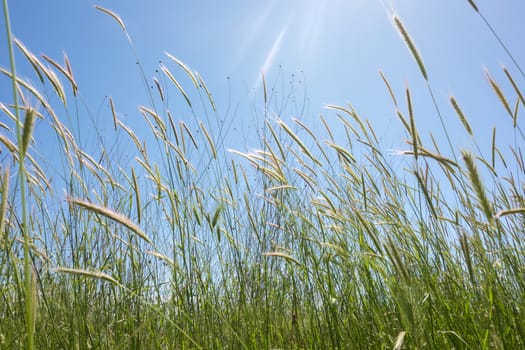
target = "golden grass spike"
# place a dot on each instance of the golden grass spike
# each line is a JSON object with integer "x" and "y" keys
{"x": 423, "y": 183}
{"x": 136, "y": 188}
{"x": 282, "y": 255}
{"x": 131, "y": 134}
{"x": 10, "y": 145}
{"x": 510, "y": 212}
{"x": 411, "y": 46}
{"x": 176, "y": 83}
{"x": 493, "y": 153}
{"x": 158, "y": 121}
{"x": 515, "y": 86}
{"x": 189, "y": 134}
{"x": 449, "y": 163}
{"x": 413, "y": 130}
{"x": 305, "y": 128}
{"x": 110, "y": 214}
{"x": 27, "y": 131}
{"x": 65, "y": 71}
{"x": 70, "y": 73}
{"x": 87, "y": 273}
{"x": 57, "y": 124}
{"x": 461, "y": 115}
{"x": 160, "y": 256}
{"x": 185, "y": 68}
{"x": 270, "y": 158}
{"x": 403, "y": 120}
{"x": 307, "y": 179}
{"x": 3, "y": 202}
{"x": 277, "y": 140}
{"x": 50, "y": 75}
{"x": 112, "y": 15}
{"x": 463, "y": 240}
{"x": 397, "y": 260}
{"x": 113, "y": 113}
{"x": 342, "y": 152}
{"x": 210, "y": 140}
{"x": 390, "y": 91}
{"x": 296, "y": 138}
{"x": 489, "y": 167}
{"x": 398, "y": 345}
{"x": 159, "y": 89}
{"x": 215, "y": 217}
{"x": 499, "y": 93}
{"x": 350, "y": 112}
{"x": 515, "y": 114}
{"x": 173, "y": 128}
{"x": 328, "y": 130}
{"x": 471, "y": 2}
{"x": 33, "y": 60}
{"x": 475, "y": 180}
{"x": 271, "y": 173}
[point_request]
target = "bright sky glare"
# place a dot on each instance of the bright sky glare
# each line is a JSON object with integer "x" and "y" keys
{"x": 317, "y": 51}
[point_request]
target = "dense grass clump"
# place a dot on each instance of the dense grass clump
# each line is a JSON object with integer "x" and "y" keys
{"x": 315, "y": 240}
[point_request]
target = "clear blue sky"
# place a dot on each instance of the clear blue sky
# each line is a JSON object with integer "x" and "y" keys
{"x": 333, "y": 48}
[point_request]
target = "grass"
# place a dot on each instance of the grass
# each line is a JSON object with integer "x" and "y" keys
{"x": 312, "y": 241}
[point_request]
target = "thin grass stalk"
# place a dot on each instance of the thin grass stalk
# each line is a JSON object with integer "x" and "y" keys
{"x": 120, "y": 22}
{"x": 507, "y": 51}
{"x": 28, "y": 290}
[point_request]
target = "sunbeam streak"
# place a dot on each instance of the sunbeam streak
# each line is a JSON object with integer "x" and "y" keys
{"x": 270, "y": 57}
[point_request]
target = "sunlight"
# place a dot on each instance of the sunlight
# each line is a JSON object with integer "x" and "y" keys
{"x": 270, "y": 57}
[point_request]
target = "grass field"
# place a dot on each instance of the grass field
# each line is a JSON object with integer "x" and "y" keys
{"x": 312, "y": 241}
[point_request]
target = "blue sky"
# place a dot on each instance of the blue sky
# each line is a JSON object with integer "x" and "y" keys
{"x": 317, "y": 52}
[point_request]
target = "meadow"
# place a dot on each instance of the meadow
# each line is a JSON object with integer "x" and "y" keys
{"x": 311, "y": 241}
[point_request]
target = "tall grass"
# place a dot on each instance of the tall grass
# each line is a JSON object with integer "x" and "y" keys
{"x": 313, "y": 241}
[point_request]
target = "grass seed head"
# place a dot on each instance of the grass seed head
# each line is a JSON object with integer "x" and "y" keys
{"x": 411, "y": 46}
{"x": 28, "y": 130}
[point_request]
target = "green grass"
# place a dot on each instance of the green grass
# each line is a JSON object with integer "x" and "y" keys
{"x": 313, "y": 241}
